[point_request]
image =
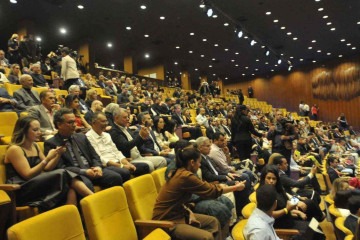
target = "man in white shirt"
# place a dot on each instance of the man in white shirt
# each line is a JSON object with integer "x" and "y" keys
{"x": 69, "y": 70}
{"x": 110, "y": 156}
{"x": 202, "y": 119}
{"x": 260, "y": 224}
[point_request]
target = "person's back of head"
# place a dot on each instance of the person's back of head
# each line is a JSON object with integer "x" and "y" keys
{"x": 341, "y": 199}
{"x": 266, "y": 198}
{"x": 354, "y": 205}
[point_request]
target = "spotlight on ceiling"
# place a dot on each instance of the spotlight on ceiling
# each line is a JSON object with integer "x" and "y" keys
{"x": 13, "y": 1}
{"x": 240, "y": 34}
{"x": 209, "y": 12}
{"x": 253, "y": 42}
{"x": 289, "y": 68}
{"x": 267, "y": 52}
{"x": 202, "y": 4}
{"x": 279, "y": 61}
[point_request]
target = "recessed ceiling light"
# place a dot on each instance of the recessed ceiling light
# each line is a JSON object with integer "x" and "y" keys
{"x": 276, "y": 20}
{"x": 295, "y": 38}
{"x": 162, "y": 18}
{"x": 289, "y": 33}
{"x": 328, "y": 54}
{"x": 128, "y": 28}
{"x": 275, "y": 65}
{"x": 348, "y": 44}
{"x": 342, "y": 40}
{"x": 236, "y": 53}
{"x": 13, "y": 1}
{"x": 202, "y": 5}
{"x": 291, "y": 57}
{"x": 262, "y": 46}
{"x": 146, "y": 35}
{"x": 232, "y": 60}
{"x": 319, "y": 51}
{"x": 266, "y": 63}
{"x": 215, "y": 16}
{"x": 204, "y": 39}
{"x": 236, "y": 65}
{"x": 321, "y": 9}
{"x": 38, "y": 39}
{"x": 80, "y": 7}
{"x": 177, "y": 47}
{"x": 213, "y": 59}
{"x": 143, "y": 7}
{"x": 328, "y": 23}
{"x": 313, "y": 61}
{"x": 246, "y": 37}
{"x": 358, "y": 23}
{"x": 243, "y": 74}
{"x": 253, "y": 74}
{"x": 109, "y": 45}
{"x": 226, "y": 49}
{"x": 332, "y": 29}
{"x": 196, "y": 69}
{"x": 283, "y": 27}
{"x": 216, "y": 45}
{"x": 272, "y": 70}
{"x": 326, "y": 16}
{"x": 226, "y": 24}
{"x": 190, "y": 51}
{"x": 301, "y": 59}
{"x": 353, "y": 48}
{"x": 210, "y": 66}
{"x": 214, "y": 74}
{"x": 257, "y": 60}
{"x": 147, "y": 55}
{"x": 202, "y": 55}
{"x": 309, "y": 47}
{"x": 192, "y": 34}
{"x": 313, "y": 41}
{"x": 226, "y": 78}
{"x": 256, "y": 69}
{"x": 268, "y": 13}
{"x": 340, "y": 55}
{"x": 317, "y": 0}
{"x": 176, "y": 63}
{"x": 63, "y": 30}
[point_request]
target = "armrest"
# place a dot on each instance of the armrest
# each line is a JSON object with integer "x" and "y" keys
{"x": 281, "y": 231}
{"x": 10, "y": 187}
{"x": 154, "y": 223}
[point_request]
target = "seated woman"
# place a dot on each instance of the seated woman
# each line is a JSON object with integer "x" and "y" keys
{"x": 91, "y": 95}
{"x": 72, "y": 102}
{"x": 14, "y": 74}
{"x": 341, "y": 202}
{"x": 170, "y": 131}
{"x": 286, "y": 214}
{"x": 159, "y": 131}
{"x": 176, "y": 193}
{"x": 41, "y": 185}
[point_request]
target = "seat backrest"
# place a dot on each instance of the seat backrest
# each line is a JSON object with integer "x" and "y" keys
{"x": 7, "y": 122}
{"x": 237, "y": 231}
{"x": 11, "y": 88}
{"x": 61, "y": 223}
{"x": 40, "y": 89}
{"x": 248, "y": 209}
{"x": 334, "y": 212}
{"x": 252, "y": 197}
{"x": 107, "y": 215}
{"x": 340, "y": 230}
{"x": 2, "y": 164}
{"x": 159, "y": 178}
{"x": 141, "y": 194}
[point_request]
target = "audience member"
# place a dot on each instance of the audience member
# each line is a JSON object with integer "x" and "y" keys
{"x": 352, "y": 221}
{"x": 38, "y": 78}
{"x": 96, "y": 106}
{"x": 25, "y": 96}
{"x": 69, "y": 70}
{"x": 14, "y": 74}
{"x": 7, "y": 103}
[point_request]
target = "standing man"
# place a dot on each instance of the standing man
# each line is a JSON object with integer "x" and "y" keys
{"x": 241, "y": 97}
{"x": 69, "y": 70}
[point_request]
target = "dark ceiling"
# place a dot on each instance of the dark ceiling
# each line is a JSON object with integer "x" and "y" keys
{"x": 103, "y": 21}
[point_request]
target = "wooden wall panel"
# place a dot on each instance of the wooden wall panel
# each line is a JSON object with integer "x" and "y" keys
{"x": 287, "y": 90}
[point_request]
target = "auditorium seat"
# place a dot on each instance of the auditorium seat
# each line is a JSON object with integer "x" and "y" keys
{"x": 341, "y": 231}
{"x": 63, "y": 223}
{"x": 107, "y": 217}
{"x": 11, "y": 88}
{"x": 159, "y": 178}
{"x": 7, "y": 125}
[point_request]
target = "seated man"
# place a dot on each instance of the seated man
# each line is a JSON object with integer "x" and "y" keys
{"x": 335, "y": 170}
{"x": 80, "y": 157}
{"x": 7, "y": 103}
{"x": 39, "y": 80}
{"x": 129, "y": 144}
{"x": 210, "y": 174}
{"x": 201, "y": 119}
{"x": 45, "y": 114}
{"x": 110, "y": 156}
{"x": 260, "y": 225}
{"x": 352, "y": 221}
{"x": 110, "y": 89}
{"x": 25, "y": 96}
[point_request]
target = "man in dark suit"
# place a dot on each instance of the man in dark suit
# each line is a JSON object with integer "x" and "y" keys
{"x": 38, "y": 78}
{"x": 110, "y": 90}
{"x": 210, "y": 174}
{"x": 352, "y": 221}
{"x": 129, "y": 144}
{"x": 212, "y": 129}
{"x": 80, "y": 157}
{"x": 45, "y": 113}
{"x": 25, "y": 96}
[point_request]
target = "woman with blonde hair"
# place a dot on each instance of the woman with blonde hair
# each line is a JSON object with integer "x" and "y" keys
{"x": 91, "y": 95}
{"x": 41, "y": 185}
{"x": 13, "y": 49}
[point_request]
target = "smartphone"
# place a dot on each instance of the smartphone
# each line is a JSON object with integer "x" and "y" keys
{"x": 294, "y": 200}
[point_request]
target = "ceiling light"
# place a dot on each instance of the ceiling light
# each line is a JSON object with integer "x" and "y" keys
{"x": 177, "y": 47}
{"x": 202, "y": 5}
{"x": 216, "y": 45}
{"x": 246, "y": 37}
{"x": 243, "y": 74}
{"x": 340, "y": 55}
{"x": 313, "y": 41}
{"x": 319, "y": 51}
{"x": 196, "y": 69}
{"x": 257, "y": 60}
{"x": 353, "y": 48}
{"x": 210, "y": 66}
{"x": 262, "y": 46}
{"x": 113, "y": 65}
{"x": 162, "y": 18}
{"x": 253, "y": 74}
{"x": 176, "y": 63}
{"x": 328, "y": 54}
{"x": 291, "y": 57}
{"x": 204, "y": 39}
{"x": 332, "y": 29}
{"x": 214, "y": 74}
{"x": 192, "y": 34}
{"x": 289, "y": 33}
{"x": 214, "y": 16}
{"x": 128, "y": 28}
{"x": 236, "y": 53}
{"x": 276, "y": 20}
{"x": 226, "y": 24}
{"x": 342, "y": 40}
{"x": 301, "y": 59}
{"x": 325, "y": 16}
{"x": 38, "y": 39}
{"x": 209, "y": 12}
{"x": 109, "y": 45}
{"x": 232, "y": 60}
{"x": 13, "y": 1}
{"x": 275, "y": 65}
{"x": 240, "y": 34}
{"x": 190, "y": 51}
{"x": 295, "y": 38}
{"x": 246, "y": 67}
{"x": 266, "y": 63}
{"x": 282, "y": 54}
{"x": 80, "y": 7}
{"x": 358, "y": 23}
{"x": 202, "y": 55}
{"x": 256, "y": 69}
{"x": 317, "y": 0}
{"x": 321, "y": 9}
{"x": 289, "y": 68}
{"x": 226, "y": 78}
{"x": 236, "y": 65}
{"x": 147, "y": 55}
{"x": 328, "y": 23}
{"x": 279, "y": 61}
{"x": 348, "y": 44}
{"x": 146, "y": 35}
{"x": 226, "y": 49}
{"x": 213, "y": 59}
{"x": 283, "y": 27}
{"x": 143, "y": 7}
{"x": 253, "y": 42}
{"x": 268, "y": 13}
{"x": 309, "y": 47}
{"x": 63, "y": 30}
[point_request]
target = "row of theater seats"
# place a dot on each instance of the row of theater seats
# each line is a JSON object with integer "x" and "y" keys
{"x": 115, "y": 213}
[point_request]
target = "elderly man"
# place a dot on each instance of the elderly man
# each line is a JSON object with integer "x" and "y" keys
{"x": 75, "y": 90}
{"x": 110, "y": 156}
{"x": 38, "y": 78}
{"x": 3, "y": 61}
{"x": 202, "y": 119}
{"x": 69, "y": 70}
{"x": 45, "y": 113}
{"x": 110, "y": 88}
{"x": 80, "y": 157}
{"x": 129, "y": 144}
{"x": 25, "y": 96}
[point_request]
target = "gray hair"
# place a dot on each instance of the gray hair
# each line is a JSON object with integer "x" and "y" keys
{"x": 111, "y": 107}
{"x": 201, "y": 140}
{"x": 73, "y": 88}
{"x": 24, "y": 77}
{"x": 118, "y": 111}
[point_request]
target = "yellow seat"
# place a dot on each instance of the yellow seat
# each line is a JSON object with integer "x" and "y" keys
{"x": 237, "y": 231}
{"x": 11, "y": 88}
{"x": 62, "y": 223}
{"x": 7, "y": 125}
{"x": 159, "y": 178}
{"x": 328, "y": 200}
{"x": 141, "y": 194}
{"x": 107, "y": 217}
{"x": 7, "y": 210}
{"x": 248, "y": 209}
{"x": 334, "y": 212}
{"x": 341, "y": 231}
{"x": 252, "y": 197}
{"x": 40, "y": 89}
